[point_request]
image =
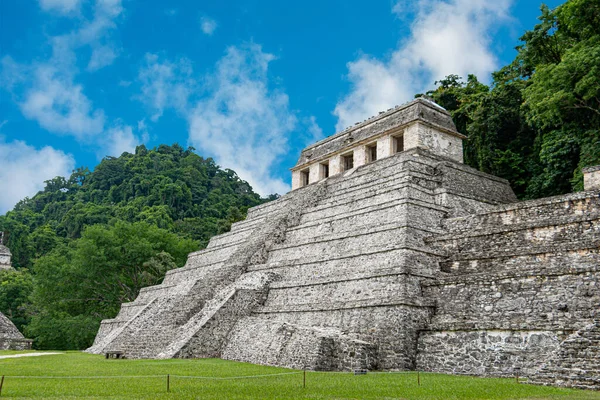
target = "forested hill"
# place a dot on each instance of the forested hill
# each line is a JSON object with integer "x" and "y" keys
{"x": 87, "y": 243}
{"x": 167, "y": 187}
{"x": 538, "y": 124}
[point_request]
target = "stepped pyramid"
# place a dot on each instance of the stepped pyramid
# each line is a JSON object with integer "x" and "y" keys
{"x": 389, "y": 253}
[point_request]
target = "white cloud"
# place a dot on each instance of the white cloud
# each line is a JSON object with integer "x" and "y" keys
{"x": 60, "y": 6}
{"x": 315, "y": 133}
{"x": 243, "y": 123}
{"x": 119, "y": 139}
{"x": 59, "y": 105}
{"x": 234, "y": 115}
{"x": 208, "y": 25}
{"x": 47, "y": 91}
{"x": 165, "y": 84}
{"x": 25, "y": 168}
{"x": 101, "y": 57}
{"x": 447, "y": 37}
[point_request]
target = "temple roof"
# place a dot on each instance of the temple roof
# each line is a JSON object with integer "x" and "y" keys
{"x": 420, "y": 109}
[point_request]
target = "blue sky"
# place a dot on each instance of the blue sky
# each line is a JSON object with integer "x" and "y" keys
{"x": 247, "y": 82}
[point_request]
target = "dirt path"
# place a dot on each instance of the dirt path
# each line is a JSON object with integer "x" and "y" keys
{"x": 28, "y": 355}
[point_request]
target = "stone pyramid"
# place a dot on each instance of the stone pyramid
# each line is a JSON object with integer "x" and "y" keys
{"x": 389, "y": 253}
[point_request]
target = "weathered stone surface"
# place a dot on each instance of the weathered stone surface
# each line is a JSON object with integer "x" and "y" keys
{"x": 5, "y": 257}
{"x": 10, "y": 337}
{"x": 410, "y": 261}
{"x": 591, "y": 178}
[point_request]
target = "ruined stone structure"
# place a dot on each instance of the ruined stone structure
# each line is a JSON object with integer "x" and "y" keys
{"x": 389, "y": 254}
{"x": 10, "y": 337}
{"x": 5, "y": 257}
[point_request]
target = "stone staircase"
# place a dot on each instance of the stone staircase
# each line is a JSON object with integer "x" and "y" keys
{"x": 577, "y": 362}
{"x": 211, "y": 285}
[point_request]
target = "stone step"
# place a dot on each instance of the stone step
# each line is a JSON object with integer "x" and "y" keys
{"x": 346, "y": 266}
{"x": 469, "y": 323}
{"x": 354, "y": 188}
{"x": 247, "y": 223}
{"x": 576, "y": 204}
{"x": 534, "y": 241}
{"x": 362, "y": 241}
{"x": 576, "y": 363}
{"x": 207, "y": 257}
{"x": 402, "y": 193}
{"x": 392, "y": 213}
{"x": 231, "y": 237}
{"x": 346, "y": 305}
{"x": 547, "y": 262}
{"x": 346, "y": 269}
{"x": 359, "y": 289}
{"x": 381, "y": 170}
{"x": 511, "y": 271}
{"x": 359, "y": 193}
{"x": 268, "y": 208}
{"x": 540, "y": 229}
{"x": 101, "y": 344}
{"x": 191, "y": 272}
{"x": 555, "y": 247}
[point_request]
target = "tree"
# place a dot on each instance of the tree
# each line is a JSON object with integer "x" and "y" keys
{"x": 91, "y": 278}
{"x": 15, "y": 289}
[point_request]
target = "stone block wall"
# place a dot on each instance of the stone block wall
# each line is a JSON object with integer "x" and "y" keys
{"x": 486, "y": 352}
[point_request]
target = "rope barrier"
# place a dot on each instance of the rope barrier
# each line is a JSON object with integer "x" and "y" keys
{"x": 85, "y": 377}
{"x": 234, "y": 377}
{"x": 151, "y": 376}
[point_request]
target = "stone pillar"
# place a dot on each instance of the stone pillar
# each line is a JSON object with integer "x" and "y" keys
{"x": 360, "y": 156}
{"x": 295, "y": 180}
{"x": 591, "y": 178}
{"x": 384, "y": 147}
{"x": 335, "y": 165}
{"x": 314, "y": 175}
{"x": 411, "y": 136}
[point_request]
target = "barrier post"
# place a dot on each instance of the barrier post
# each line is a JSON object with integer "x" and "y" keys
{"x": 1, "y": 384}
{"x": 303, "y": 382}
{"x": 168, "y": 383}
{"x": 418, "y": 378}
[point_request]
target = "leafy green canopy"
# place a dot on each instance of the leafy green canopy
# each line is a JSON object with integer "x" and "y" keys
{"x": 94, "y": 240}
{"x": 538, "y": 124}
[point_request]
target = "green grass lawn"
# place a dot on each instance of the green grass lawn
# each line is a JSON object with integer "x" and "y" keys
{"x": 147, "y": 379}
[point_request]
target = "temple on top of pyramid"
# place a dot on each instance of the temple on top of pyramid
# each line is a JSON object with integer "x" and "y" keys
{"x": 418, "y": 124}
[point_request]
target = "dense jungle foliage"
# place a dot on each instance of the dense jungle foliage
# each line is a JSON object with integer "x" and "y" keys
{"x": 538, "y": 124}
{"x": 85, "y": 244}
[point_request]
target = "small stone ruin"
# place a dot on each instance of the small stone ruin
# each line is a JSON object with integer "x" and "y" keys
{"x": 10, "y": 337}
